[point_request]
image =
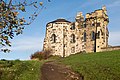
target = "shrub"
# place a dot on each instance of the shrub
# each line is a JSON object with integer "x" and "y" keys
{"x": 41, "y": 54}
{"x": 47, "y": 53}
{"x": 3, "y": 60}
{"x": 37, "y": 55}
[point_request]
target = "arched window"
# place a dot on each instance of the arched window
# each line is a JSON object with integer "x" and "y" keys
{"x": 73, "y": 50}
{"x": 98, "y": 24}
{"x": 72, "y": 38}
{"x": 84, "y": 36}
{"x": 84, "y": 25}
{"x": 93, "y": 35}
{"x": 73, "y": 26}
{"x": 92, "y": 24}
{"x": 98, "y": 35}
{"x": 53, "y": 38}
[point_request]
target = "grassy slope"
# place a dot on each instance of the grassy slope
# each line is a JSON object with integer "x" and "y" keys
{"x": 96, "y": 66}
{"x": 20, "y": 70}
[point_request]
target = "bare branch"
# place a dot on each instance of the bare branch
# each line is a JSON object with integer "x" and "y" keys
{"x": 9, "y": 3}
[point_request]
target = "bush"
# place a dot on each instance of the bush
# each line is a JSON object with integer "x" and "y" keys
{"x": 37, "y": 55}
{"x": 41, "y": 55}
{"x": 47, "y": 53}
{"x": 3, "y": 60}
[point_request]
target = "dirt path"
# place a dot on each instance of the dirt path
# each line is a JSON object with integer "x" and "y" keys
{"x": 53, "y": 71}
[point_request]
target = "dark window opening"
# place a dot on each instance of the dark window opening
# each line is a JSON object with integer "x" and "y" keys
{"x": 54, "y": 29}
{"x": 64, "y": 45}
{"x": 98, "y": 35}
{"x": 53, "y": 46}
{"x": 84, "y": 37}
{"x": 98, "y": 24}
{"x": 84, "y": 25}
{"x": 93, "y": 24}
{"x": 73, "y": 50}
{"x": 93, "y": 35}
{"x": 54, "y": 38}
{"x": 72, "y": 38}
{"x": 101, "y": 32}
{"x": 73, "y": 26}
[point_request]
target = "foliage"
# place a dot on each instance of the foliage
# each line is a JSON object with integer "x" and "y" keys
{"x": 20, "y": 70}
{"x": 41, "y": 55}
{"x": 11, "y": 22}
{"x": 47, "y": 53}
{"x": 37, "y": 55}
{"x": 96, "y": 66}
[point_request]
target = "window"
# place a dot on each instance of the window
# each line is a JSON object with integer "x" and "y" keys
{"x": 84, "y": 25}
{"x": 72, "y": 38}
{"x": 53, "y": 38}
{"x": 93, "y": 35}
{"x": 98, "y": 35}
{"x": 92, "y": 24}
{"x": 72, "y": 26}
{"x": 53, "y": 46}
{"x": 73, "y": 50}
{"x": 84, "y": 37}
{"x": 98, "y": 24}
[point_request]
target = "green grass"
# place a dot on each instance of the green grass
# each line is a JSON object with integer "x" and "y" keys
{"x": 93, "y": 66}
{"x": 20, "y": 70}
{"x": 96, "y": 66}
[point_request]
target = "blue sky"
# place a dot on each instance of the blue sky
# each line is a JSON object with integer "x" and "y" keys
{"x": 33, "y": 35}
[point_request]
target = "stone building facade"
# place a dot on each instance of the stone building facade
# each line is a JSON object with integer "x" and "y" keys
{"x": 89, "y": 34}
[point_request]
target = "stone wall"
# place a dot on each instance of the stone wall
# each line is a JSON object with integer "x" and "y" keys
{"x": 111, "y": 48}
{"x": 96, "y": 22}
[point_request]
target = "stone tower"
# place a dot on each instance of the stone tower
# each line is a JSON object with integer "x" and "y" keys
{"x": 89, "y": 34}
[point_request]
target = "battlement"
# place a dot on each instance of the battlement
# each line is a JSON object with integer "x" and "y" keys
{"x": 100, "y": 13}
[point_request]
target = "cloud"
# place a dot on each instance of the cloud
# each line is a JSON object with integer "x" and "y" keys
{"x": 114, "y": 38}
{"x": 114, "y": 4}
{"x": 27, "y": 43}
{"x": 23, "y": 46}
{"x": 36, "y": 43}
{"x": 88, "y": 4}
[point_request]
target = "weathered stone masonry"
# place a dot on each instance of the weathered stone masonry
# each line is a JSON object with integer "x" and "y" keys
{"x": 89, "y": 34}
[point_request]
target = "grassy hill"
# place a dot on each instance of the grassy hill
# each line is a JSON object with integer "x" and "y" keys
{"x": 93, "y": 66}
{"x": 96, "y": 66}
{"x": 19, "y": 70}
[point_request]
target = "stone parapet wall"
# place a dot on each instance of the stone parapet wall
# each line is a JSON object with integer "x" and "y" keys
{"x": 111, "y": 48}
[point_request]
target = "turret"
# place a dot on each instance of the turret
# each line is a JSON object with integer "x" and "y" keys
{"x": 104, "y": 9}
{"x": 87, "y": 15}
{"x": 79, "y": 17}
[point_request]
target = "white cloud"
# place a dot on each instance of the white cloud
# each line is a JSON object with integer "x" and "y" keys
{"x": 88, "y": 4}
{"x": 114, "y": 4}
{"x": 27, "y": 43}
{"x": 36, "y": 43}
{"x": 114, "y": 38}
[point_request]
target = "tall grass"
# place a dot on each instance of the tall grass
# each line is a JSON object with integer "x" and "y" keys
{"x": 20, "y": 70}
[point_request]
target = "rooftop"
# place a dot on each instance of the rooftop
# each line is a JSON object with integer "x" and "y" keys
{"x": 60, "y": 20}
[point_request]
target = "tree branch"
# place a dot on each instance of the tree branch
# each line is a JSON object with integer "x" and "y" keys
{"x": 9, "y": 3}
